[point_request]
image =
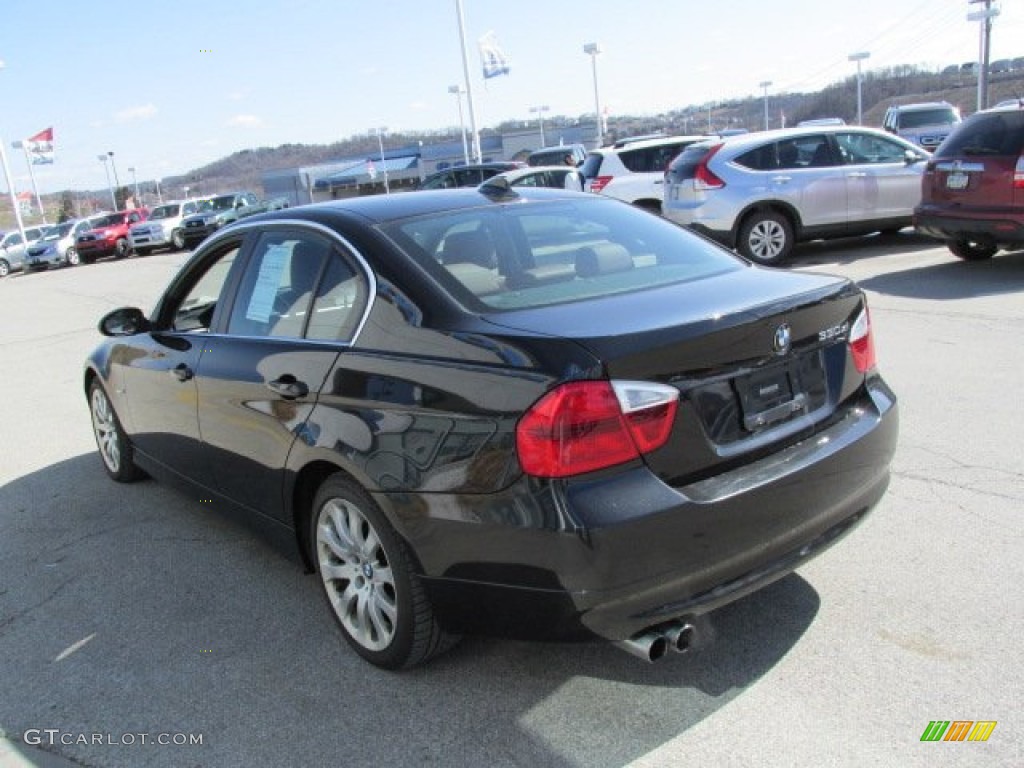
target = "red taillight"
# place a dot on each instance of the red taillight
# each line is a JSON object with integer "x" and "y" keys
{"x": 1018, "y": 174}
{"x": 703, "y": 178}
{"x": 599, "y": 182}
{"x": 582, "y": 426}
{"x": 862, "y": 346}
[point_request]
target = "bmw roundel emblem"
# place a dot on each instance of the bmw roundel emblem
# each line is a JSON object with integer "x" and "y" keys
{"x": 782, "y": 339}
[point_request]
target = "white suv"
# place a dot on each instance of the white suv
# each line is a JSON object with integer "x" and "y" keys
{"x": 634, "y": 169}
{"x": 163, "y": 227}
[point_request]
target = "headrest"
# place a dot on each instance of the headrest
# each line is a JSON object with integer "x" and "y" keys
{"x": 602, "y": 259}
{"x": 469, "y": 248}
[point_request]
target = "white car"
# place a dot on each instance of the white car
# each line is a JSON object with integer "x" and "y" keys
{"x": 13, "y": 248}
{"x": 163, "y": 227}
{"x": 634, "y": 169}
{"x": 553, "y": 176}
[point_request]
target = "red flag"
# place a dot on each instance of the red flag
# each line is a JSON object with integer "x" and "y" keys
{"x": 46, "y": 135}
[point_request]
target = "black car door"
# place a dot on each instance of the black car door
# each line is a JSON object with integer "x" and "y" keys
{"x": 260, "y": 375}
{"x": 156, "y": 370}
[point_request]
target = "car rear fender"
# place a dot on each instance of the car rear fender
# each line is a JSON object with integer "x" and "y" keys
{"x": 777, "y": 206}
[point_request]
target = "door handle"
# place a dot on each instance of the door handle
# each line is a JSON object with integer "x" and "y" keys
{"x": 288, "y": 387}
{"x": 857, "y": 175}
{"x": 782, "y": 179}
{"x": 181, "y": 372}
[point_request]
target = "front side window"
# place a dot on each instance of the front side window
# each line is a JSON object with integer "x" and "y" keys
{"x": 194, "y": 312}
{"x": 866, "y": 149}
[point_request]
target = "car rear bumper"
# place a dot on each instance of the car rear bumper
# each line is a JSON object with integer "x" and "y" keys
{"x": 617, "y": 553}
{"x": 998, "y": 225}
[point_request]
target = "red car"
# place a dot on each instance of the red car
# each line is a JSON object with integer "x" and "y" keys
{"x": 109, "y": 236}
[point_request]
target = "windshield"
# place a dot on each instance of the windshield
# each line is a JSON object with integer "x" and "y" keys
{"x": 111, "y": 220}
{"x": 165, "y": 212}
{"x": 937, "y": 116}
{"x": 223, "y": 203}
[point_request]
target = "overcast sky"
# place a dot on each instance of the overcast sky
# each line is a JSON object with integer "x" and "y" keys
{"x": 171, "y": 86}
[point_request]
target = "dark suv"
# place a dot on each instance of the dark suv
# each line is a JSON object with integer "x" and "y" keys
{"x": 972, "y": 192}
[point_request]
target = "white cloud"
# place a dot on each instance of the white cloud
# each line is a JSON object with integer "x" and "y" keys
{"x": 143, "y": 112}
{"x": 244, "y": 121}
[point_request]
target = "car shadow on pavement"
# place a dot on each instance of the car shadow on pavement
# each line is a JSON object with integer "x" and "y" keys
{"x": 954, "y": 279}
{"x": 848, "y": 249}
{"x": 133, "y": 609}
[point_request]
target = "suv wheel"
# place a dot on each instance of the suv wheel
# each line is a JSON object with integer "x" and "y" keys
{"x": 765, "y": 237}
{"x": 972, "y": 250}
{"x": 178, "y": 240}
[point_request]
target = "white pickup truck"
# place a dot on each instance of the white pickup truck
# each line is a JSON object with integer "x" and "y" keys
{"x": 163, "y": 227}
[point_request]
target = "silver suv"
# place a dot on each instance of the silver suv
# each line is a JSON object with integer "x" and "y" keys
{"x": 924, "y": 124}
{"x": 633, "y": 169}
{"x": 163, "y": 227}
{"x": 763, "y": 192}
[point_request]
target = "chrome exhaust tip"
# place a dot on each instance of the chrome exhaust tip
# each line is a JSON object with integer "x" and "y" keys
{"x": 649, "y": 646}
{"x": 681, "y": 637}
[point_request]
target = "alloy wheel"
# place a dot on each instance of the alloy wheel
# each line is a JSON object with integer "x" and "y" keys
{"x": 105, "y": 427}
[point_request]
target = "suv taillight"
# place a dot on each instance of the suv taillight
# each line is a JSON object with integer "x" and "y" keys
{"x": 1018, "y": 174}
{"x": 582, "y": 426}
{"x": 703, "y": 178}
{"x": 599, "y": 182}
{"x": 862, "y": 345}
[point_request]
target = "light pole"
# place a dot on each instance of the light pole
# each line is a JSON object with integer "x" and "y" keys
{"x": 159, "y": 196}
{"x": 539, "y": 111}
{"x": 859, "y": 57}
{"x": 458, "y": 91}
{"x": 117, "y": 181}
{"x": 764, "y": 85}
{"x": 106, "y": 171}
{"x": 10, "y": 184}
{"x": 593, "y": 50}
{"x": 380, "y": 140}
{"x": 135, "y": 183}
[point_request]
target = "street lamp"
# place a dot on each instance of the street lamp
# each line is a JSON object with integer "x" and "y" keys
{"x": 159, "y": 196}
{"x": 117, "y": 181}
{"x": 458, "y": 91}
{"x": 106, "y": 171}
{"x": 984, "y": 17}
{"x": 764, "y": 85}
{"x": 593, "y": 49}
{"x": 380, "y": 140}
{"x": 539, "y": 111}
{"x": 135, "y": 183}
{"x": 859, "y": 57}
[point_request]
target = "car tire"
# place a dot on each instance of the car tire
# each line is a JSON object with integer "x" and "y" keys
{"x": 121, "y": 249}
{"x": 972, "y": 250}
{"x": 765, "y": 237}
{"x": 71, "y": 258}
{"x": 114, "y": 447}
{"x": 369, "y": 579}
{"x": 5, "y": 268}
{"x": 178, "y": 240}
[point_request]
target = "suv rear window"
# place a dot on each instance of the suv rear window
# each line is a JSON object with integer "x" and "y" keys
{"x": 991, "y": 133}
{"x": 685, "y": 165}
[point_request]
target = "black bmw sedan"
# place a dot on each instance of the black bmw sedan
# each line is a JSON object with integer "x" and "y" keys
{"x": 528, "y": 412}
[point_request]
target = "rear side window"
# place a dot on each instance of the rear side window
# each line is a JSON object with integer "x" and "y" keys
{"x": 592, "y": 165}
{"x": 650, "y": 159}
{"x": 994, "y": 133}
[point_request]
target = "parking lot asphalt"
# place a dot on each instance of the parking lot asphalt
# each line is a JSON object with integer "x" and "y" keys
{"x": 130, "y": 614}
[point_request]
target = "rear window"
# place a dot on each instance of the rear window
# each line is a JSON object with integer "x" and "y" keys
{"x": 592, "y": 165}
{"x": 993, "y": 133}
{"x": 685, "y": 165}
{"x": 532, "y": 255}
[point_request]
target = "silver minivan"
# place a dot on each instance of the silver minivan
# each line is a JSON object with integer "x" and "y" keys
{"x": 763, "y": 192}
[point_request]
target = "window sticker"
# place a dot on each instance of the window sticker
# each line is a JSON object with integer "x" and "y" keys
{"x": 261, "y": 303}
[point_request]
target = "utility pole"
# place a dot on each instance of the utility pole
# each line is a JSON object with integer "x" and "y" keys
{"x": 985, "y": 17}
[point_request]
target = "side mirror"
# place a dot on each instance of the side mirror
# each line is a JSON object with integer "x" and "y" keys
{"x": 126, "y": 321}
{"x": 910, "y": 157}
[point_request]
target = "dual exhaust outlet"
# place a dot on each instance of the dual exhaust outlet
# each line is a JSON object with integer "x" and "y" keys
{"x": 653, "y": 644}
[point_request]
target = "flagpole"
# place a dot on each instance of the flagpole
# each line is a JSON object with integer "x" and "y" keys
{"x": 32, "y": 176}
{"x": 10, "y": 190}
{"x": 477, "y": 154}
